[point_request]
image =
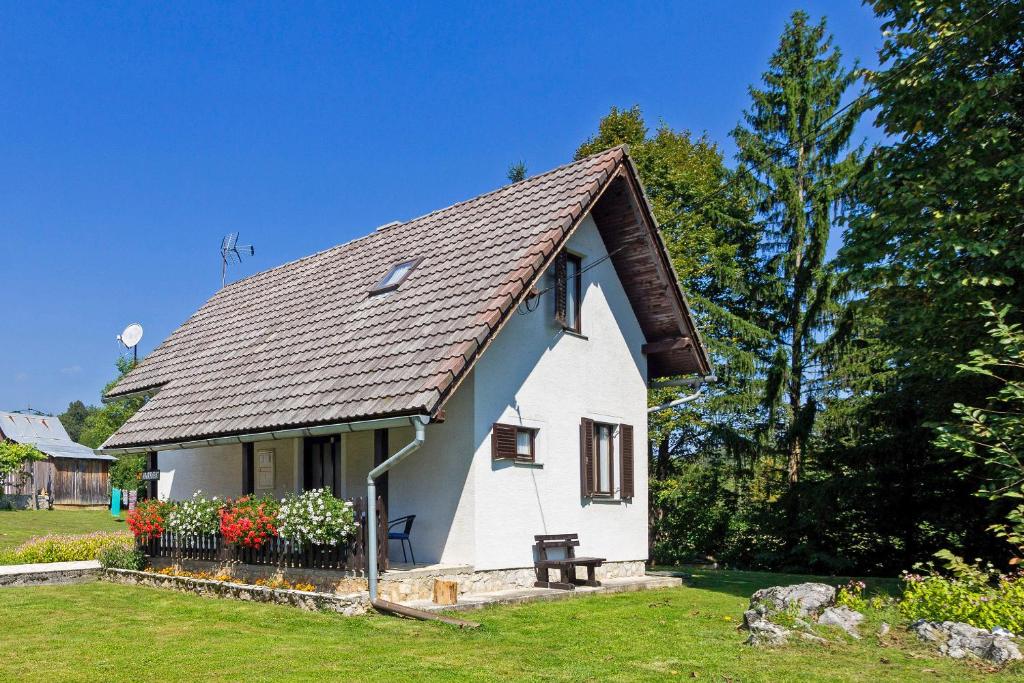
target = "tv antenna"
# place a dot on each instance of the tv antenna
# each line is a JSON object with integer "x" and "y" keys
{"x": 131, "y": 337}
{"x": 229, "y": 253}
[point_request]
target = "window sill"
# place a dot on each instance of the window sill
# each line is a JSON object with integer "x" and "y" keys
{"x": 574, "y": 333}
{"x": 609, "y": 500}
{"x": 510, "y": 462}
{"x": 528, "y": 464}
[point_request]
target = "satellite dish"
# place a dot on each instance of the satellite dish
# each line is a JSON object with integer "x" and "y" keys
{"x": 131, "y": 336}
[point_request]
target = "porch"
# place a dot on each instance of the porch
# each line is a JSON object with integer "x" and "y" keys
{"x": 338, "y": 463}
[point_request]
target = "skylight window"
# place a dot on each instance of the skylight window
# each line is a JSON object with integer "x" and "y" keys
{"x": 395, "y": 276}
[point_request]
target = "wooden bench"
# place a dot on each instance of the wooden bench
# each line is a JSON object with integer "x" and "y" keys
{"x": 566, "y": 566}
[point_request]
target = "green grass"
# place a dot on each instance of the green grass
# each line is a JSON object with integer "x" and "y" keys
{"x": 101, "y": 631}
{"x": 17, "y": 526}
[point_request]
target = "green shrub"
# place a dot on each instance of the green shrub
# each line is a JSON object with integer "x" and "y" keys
{"x": 66, "y": 548}
{"x": 977, "y": 596}
{"x": 121, "y": 557}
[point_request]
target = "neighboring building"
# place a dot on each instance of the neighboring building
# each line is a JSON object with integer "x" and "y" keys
{"x": 72, "y": 474}
{"x": 524, "y": 325}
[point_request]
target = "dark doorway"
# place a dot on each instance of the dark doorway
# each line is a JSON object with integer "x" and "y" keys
{"x": 321, "y": 464}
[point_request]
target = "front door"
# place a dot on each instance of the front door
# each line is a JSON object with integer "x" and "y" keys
{"x": 321, "y": 464}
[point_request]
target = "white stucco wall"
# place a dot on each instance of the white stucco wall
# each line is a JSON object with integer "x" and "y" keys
{"x": 539, "y": 376}
{"x": 217, "y": 470}
{"x": 435, "y": 484}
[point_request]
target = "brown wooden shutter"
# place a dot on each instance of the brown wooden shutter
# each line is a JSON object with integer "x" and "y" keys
{"x": 626, "y": 436}
{"x": 560, "y": 288}
{"x": 587, "y": 483}
{"x": 503, "y": 441}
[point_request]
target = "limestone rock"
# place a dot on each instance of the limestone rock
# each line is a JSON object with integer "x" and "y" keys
{"x": 762, "y": 631}
{"x": 843, "y": 617}
{"x": 958, "y": 640}
{"x": 809, "y": 598}
{"x": 810, "y": 637}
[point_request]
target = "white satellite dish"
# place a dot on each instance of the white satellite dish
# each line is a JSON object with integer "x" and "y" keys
{"x": 131, "y": 336}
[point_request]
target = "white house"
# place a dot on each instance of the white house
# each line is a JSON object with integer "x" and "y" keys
{"x": 521, "y": 327}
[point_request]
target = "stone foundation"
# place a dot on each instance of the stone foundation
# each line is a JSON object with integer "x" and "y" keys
{"x": 418, "y": 584}
{"x": 394, "y": 585}
{"x": 325, "y": 580}
{"x": 351, "y": 604}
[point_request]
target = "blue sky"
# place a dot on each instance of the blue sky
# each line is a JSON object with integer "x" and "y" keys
{"x": 133, "y": 136}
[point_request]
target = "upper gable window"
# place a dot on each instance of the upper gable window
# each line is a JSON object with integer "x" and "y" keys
{"x": 395, "y": 276}
{"x": 568, "y": 291}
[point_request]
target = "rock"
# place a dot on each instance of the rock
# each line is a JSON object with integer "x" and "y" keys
{"x": 843, "y": 617}
{"x": 809, "y": 598}
{"x": 810, "y": 637}
{"x": 958, "y": 640}
{"x": 883, "y": 630}
{"x": 764, "y": 632}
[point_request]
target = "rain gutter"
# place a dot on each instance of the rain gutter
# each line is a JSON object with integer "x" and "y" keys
{"x": 321, "y": 430}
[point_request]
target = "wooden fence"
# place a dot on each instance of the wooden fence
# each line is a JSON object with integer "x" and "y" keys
{"x": 349, "y": 555}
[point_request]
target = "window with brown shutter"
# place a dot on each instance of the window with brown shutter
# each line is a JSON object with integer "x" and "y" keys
{"x": 511, "y": 442}
{"x": 626, "y": 437}
{"x": 586, "y": 457}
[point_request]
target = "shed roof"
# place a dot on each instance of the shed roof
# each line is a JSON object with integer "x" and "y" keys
{"x": 47, "y": 434}
{"x": 307, "y": 343}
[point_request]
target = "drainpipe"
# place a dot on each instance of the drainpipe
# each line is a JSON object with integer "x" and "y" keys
{"x": 701, "y": 383}
{"x": 420, "y": 423}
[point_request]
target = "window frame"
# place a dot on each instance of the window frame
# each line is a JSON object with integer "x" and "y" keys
{"x": 381, "y": 287}
{"x": 597, "y": 459}
{"x": 532, "y": 432}
{"x": 577, "y": 284}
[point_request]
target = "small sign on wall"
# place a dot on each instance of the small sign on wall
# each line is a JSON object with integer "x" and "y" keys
{"x": 265, "y": 469}
{"x": 150, "y": 475}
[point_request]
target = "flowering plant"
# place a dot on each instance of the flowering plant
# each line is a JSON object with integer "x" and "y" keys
{"x": 316, "y": 517}
{"x": 149, "y": 519}
{"x": 248, "y": 521}
{"x": 974, "y": 594}
{"x": 196, "y": 515}
{"x": 852, "y": 595}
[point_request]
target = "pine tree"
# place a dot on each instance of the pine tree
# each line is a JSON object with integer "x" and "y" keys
{"x": 794, "y": 150}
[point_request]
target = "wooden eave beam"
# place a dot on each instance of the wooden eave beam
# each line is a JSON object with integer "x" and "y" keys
{"x": 668, "y": 344}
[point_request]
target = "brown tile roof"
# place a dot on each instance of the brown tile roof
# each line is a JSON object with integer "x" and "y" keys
{"x": 305, "y": 343}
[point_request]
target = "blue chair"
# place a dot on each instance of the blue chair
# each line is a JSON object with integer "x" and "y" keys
{"x": 403, "y": 535}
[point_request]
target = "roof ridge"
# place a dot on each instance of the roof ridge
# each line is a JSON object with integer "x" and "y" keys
{"x": 496, "y": 190}
{"x": 381, "y": 230}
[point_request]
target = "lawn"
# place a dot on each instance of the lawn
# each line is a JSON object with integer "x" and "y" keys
{"x": 17, "y": 526}
{"x": 100, "y": 631}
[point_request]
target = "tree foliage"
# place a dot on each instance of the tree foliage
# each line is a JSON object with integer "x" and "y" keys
{"x": 794, "y": 152}
{"x": 994, "y": 433}
{"x": 100, "y": 424}
{"x": 74, "y": 418}
{"x": 516, "y": 172}
{"x": 14, "y": 456}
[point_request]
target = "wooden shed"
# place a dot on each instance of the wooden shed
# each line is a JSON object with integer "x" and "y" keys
{"x": 72, "y": 474}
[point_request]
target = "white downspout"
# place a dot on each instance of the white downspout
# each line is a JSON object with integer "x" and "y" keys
{"x": 420, "y": 423}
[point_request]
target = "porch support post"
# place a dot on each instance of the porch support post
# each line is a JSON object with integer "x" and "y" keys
{"x": 248, "y": 465}
{"x": 151, "y": 465}
{"x": 380, "y": 454}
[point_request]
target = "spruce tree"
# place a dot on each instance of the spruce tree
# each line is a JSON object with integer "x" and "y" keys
{"x": 794, "y": 150}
